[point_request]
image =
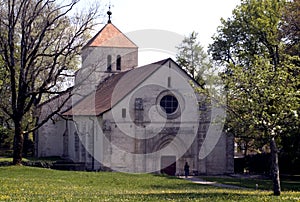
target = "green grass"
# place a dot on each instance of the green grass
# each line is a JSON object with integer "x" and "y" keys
{"x": 263, "y": 184}
{"x": 5, "y": 159}
{"x": 37, "y": 184}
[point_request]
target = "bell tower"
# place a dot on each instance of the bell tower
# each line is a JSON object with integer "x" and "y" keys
{"x": 108, "y": 52}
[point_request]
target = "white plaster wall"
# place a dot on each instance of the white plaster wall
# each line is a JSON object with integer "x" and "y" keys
{"x": 71, "y": 141}
{"x": 90, "y": 148}
{"x": 97, "y": 56}
{"x": 216, "y": 161}
{"x": 50, "y": 138}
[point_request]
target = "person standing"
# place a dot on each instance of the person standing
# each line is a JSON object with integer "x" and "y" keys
{"x": 186, "y": 169}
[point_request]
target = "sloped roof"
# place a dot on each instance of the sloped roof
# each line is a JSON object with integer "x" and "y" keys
{"x": 113, "y": 90}
{"x": 110, "y": 36}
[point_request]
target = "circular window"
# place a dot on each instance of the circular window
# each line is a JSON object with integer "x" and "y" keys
{"x": 169, "y": 104}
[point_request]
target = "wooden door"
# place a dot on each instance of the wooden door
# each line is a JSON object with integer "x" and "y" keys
{"x": 168, "y": 165}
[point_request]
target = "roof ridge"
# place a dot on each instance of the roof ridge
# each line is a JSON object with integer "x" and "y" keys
{"x": 94, "y": 37}
{"x": 123, "y": 34}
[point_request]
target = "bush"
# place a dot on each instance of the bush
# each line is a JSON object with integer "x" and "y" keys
{"x": 254, "y": 164}
{"x": 6, "y": 138}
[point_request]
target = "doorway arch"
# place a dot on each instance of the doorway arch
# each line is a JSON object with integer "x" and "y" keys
{"x": 170, "y": 149}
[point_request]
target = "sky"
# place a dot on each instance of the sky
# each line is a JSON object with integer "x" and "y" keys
{"x": 182, "y": 17}
{"x": 174, "y": 19}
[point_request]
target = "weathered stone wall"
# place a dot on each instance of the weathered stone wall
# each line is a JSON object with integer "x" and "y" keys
{"x": 150, "y": 123}
{"x": 147, "y": 131}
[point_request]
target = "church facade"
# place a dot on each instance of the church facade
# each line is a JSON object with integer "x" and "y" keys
{"x": 134, "y": 119}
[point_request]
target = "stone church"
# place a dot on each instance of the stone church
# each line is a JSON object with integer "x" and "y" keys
{"x": 133, "y": 119}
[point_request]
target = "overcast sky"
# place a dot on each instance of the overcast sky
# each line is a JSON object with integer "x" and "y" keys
{"x": 178, "y": 17}
{"x": 182, "y": 17}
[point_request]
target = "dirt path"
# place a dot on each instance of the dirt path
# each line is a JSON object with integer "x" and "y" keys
{"x": 205, "y": 182}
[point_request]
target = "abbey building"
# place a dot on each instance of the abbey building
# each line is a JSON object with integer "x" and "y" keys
{"x": 134, "y": 119}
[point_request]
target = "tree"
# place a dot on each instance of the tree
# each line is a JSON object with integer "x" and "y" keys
{"x": 290, "y": 27}
{"x": 39, "y": 42}
{"x": 192, "y": 57}
{"x": 5, "y": 130}
{"x": 259, "y": 75}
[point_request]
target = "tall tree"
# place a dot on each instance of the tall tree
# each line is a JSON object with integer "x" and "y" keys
{"x": 290, "y": 27}
{"x": 5, "y": 130}
{"x": 259, "y": 75}
{"x": 39, "y": 42}
{"x": 192, "y": 57}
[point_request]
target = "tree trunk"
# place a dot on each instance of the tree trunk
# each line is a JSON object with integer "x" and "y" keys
{"x": 18, "y": 144}
{"x": 275, "y": 168}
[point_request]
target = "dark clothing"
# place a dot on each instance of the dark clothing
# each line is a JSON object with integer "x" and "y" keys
{"x": 186, "y": 169}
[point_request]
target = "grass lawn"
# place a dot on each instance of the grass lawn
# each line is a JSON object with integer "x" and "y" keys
{"x": 5, "y": 159}
{"x": 36, "y": 184}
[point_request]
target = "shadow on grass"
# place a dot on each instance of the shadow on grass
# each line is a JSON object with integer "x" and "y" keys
{"x": 198, "y": 196}
{"x": 290, "y": 185}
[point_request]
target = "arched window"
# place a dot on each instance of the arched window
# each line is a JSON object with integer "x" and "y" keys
{"x": 109, "y": 63}
{"x": 118, "y": 62}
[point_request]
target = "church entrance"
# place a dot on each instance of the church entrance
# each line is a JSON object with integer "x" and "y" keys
{"x": 168, "y": 165}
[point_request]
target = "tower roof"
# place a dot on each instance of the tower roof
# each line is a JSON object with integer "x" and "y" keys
{"x": 110, "y": 36}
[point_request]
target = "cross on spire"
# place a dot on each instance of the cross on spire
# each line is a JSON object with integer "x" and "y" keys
{"x": 109, "y": 14}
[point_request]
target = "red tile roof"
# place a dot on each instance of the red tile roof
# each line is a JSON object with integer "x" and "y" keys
{"x": 113, "y": 90}
{"x": 110, "y": 36}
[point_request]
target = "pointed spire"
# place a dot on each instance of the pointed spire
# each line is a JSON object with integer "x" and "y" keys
{"x": 109, "y": 14}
